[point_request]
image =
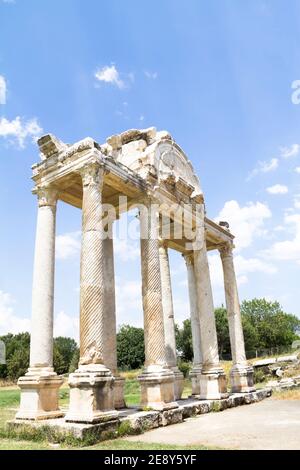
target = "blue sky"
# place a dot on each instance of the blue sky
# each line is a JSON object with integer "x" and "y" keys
{"x": 217, "y": 75}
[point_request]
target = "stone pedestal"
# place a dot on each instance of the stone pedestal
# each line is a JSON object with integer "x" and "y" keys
{"x": 195, "y": 379}
{"x": 119, "y": 401}
{"x": 213, "y": 385}
{"x": 178, "y": 383}
{"x": 39, "y": 395}
{"x": 91, "y": 395}
{"x": 157, "y": 388}
{"x": 241, "y": 378}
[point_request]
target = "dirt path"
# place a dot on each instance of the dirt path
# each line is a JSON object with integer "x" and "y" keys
{"x": 270, "y": 424}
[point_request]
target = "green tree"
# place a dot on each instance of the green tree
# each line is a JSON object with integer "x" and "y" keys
{"x": 184, "y": 342}
{"x": 74, "y": 362}
{"x": 222, "y": 332}
{"x": 272, "y": 325}
{"x": 63, "y": 352}
{"x": 17, "y": 355}
{"x": 130, "y": 347}
{"x": 18, "y": 363}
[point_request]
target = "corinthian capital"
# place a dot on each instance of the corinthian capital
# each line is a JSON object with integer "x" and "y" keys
{"x": 47, "y": 196}
{"x": 188, "y": 258}
{"x": 226, "y": 250}
{"x": 92, "y": 175}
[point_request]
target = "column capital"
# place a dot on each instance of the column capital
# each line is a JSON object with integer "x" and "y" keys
{"x": 163, "y": 243}
{"x": 92, "y": 174}
{"x": 188, "y": 258}
{"x": 226, "y": 250}
{"x": 47, "y": 196}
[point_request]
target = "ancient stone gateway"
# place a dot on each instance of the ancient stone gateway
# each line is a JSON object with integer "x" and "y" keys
{"x": 148, "y": 170}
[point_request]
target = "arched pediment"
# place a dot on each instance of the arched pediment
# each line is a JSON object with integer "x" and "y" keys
{"x": 172, "y": 163}
{"x": 147, "y": 150}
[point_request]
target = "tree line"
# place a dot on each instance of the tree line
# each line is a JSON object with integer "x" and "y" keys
{"x": 265, "y": 326}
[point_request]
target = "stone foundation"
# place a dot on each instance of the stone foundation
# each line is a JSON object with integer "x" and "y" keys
{"x": 119, "y": 401}
{"x": 241, "y": 379}
{"x": 157, "y": 389}
{"x": 132, "y": 421}
{"x": 39, "y": 397}
{"x": 213, "y": 385}
{"x": 91, "y": 395}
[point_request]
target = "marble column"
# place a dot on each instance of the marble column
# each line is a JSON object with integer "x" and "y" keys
{"x": 157, "y": 380}
{"x": 39, "y": 387}
{"x": 212, "y": 378}
{"x": 169, "y": 325}
{"x": 110, "y": 350}
{"x": 195, "y": 325}
{"x": 241, "y": 374}
{"x": 91, "y": 386}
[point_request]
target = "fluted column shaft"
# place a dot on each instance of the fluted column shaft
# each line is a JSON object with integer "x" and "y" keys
{"x": 152, "y": 288}
{"x": 39, "y": 386}
{"x": 205, "y": 306}
{"x": 169, "y": 324}
{"x": 167, "y": 304}
{"x": 241, "y": 374}
{"x": 195, "y": 324}
{"x": 233, "y": 307}
{"x": 93, "y": 283}
{"x": 41, "y": 346}
{"x": 157, "y": 379}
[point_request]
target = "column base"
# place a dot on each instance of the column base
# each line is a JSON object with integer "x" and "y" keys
{"x": 213, "y": 384}
{"x": 178, "y": 382}
{"x": 241, "y": 379}
{"x": 195, "y": 379}
{"x": 39, "y": 395}
{"x": 157, "y": 388}
{"x": 91, "y": 395}
{"x": 119, "y": 401}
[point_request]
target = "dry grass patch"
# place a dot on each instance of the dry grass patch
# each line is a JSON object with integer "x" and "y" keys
{"x": 293, "y": 394}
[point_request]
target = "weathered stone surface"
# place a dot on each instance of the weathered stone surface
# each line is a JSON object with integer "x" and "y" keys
{"x": 144, "y": 420}
{"x": 170, "y": 417}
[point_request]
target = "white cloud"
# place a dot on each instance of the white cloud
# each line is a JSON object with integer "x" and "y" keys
{"x": 9, "y": 322}
{"x": 18, "y": 130}
{"x": 129, "y": 302}
{"x": 109, "y": 74}
{"x": 68, "y": 245}
{"x": 277, "y": 189}
{"x": 126, "y": 249}
{"x": 246, "y": 222}
{"x": 142, "y": 117}
{"x": 287, "y": 250}
{"x": 2, "y": 90}
{"x": 292, "y": 151}
{"x": 264, "y": 167}
{"x": 297, "y": 169}
{"x": 151, "y": 75}
{"x": 66, "y": 325}
{"x": 243, "y": 266}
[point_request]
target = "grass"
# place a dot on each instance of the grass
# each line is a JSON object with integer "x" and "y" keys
{"x": 116, "y": 444}
{"x": 292, "y": 394}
